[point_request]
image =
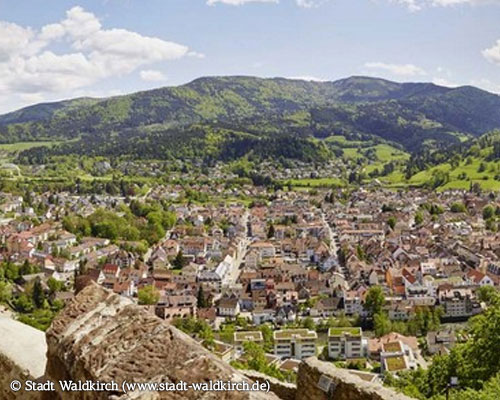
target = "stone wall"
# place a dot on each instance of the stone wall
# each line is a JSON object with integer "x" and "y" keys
{"x": 22, "y": 357}
{"x": 318, "y": 380}
{"x": 284, "y": 390}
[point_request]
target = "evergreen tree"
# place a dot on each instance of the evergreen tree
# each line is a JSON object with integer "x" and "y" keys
{"x": 38, "y": 295}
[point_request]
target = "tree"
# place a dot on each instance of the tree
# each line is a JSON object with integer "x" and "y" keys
{"x": 308, "y": 323}
{"x": 207, "y": 335}
{"x": 267, "y": 335}
{"x": 201, "y": 299}
{"x": 419, "y": 218}
{"x": 381, "y": 324}
{"x": 38, "y": 294}
{"x": 270, "y": 232}
{"x": 26, "y": 268}
{"x": 458, "y": 208}
{"x": 179, "y": 261}
{"x": 255, "y": 355}
{"x": 5, "y": 291}
{"x": 392, "y": 222}
{"x": 226, "y": 333}
{"x": 148, "y": 295}
{"x": 360, "y": 252}
{"x": 24, "y": 304}
{"x": 488, "y": 212}
{"x": 486, "y": 294}
{"x": 54, "y": 285}
{"x": 374, "y": 300}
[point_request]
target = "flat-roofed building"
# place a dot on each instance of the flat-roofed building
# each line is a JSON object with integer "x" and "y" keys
{"x": 346, "y": 343}
{"x": 397, "y": 356}
{"x": 249, "y": 336}
{"x": 295, "y": 343}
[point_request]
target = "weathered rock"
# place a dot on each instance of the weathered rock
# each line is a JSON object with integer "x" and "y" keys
{"x": 103, "y": 337}
{"x": 284, "y": 390}
{"x": 318, "y": 380}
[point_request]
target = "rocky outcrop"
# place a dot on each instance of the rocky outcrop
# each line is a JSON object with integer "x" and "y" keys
{"x": 104, "y": 337}
{"x": 319, "y": 380}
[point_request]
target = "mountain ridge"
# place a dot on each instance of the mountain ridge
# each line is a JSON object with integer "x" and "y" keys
{"x": 245, "y": 110}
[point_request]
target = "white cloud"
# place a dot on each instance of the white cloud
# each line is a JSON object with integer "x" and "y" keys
{"x": 444, "y": 82}
{"x": 239, "y": 2}
{"x": 307, "y": 3}
{"x": 405, "y": 70}
{"x": 30, "y": 69}
{"x": 150, "y": 75}
{"x": 486, "y": 84}
{"x": 417, "y": 5}
{"x": 195, "y": 54}
{"x": 446, "y": 3}
{"x": 493, "y": 53}
{"x": 12, "y": 38}
{"x": 300, "y": 3}
{"x": 412, "y": 5}
{"x": 308, "y": 78}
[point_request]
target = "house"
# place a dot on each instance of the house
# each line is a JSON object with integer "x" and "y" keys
{"x": 229, "y": 306}
{"x": 111, "y": 271}
{"x": 346, "y": 343}
{"x": 265, "y": 249}
{"x": 441, "y": 341}
{"x": 253, "y": 258}
{"x": 474, "y": 277}
{"x": 60, "y": 265}
{"x": 325, "y": 307}
{"x": 261, "y": 316}
{"x": 173, "y": 307}
{"x": 295, "y": 343}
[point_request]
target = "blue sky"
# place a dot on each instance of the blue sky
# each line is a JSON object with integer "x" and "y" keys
{"x": 51, "y": 50}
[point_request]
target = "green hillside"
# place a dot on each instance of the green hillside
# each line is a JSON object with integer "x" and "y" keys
{"x": 225, "y": 118}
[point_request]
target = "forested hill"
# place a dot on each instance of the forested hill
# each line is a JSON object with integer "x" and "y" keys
{"x": 227, "y": 117}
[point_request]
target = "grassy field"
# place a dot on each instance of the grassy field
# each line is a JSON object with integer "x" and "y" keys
{"x": 386, "y": 153}
{"x": 20, "y": 146}
{"x": 486, "y": 178}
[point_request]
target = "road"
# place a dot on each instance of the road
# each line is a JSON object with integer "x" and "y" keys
{"x": 234, "y": 273}
{"x": 331, "y": 236}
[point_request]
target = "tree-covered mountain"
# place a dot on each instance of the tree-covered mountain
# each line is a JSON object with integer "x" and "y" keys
{"x": 228, "y": 117}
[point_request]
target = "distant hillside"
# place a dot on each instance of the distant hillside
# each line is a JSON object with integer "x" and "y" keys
{"x": 227, "y": 117}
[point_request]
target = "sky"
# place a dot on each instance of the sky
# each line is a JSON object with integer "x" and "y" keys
{"x": 59, "y": 49}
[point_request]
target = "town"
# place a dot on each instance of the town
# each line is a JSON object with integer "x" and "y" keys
{"x": 375, "y": 280}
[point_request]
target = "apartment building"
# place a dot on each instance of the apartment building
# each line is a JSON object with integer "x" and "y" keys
{"x": 295, "y": 343}
{"x": 346, "y": 343}
{"x": 352, "y": 303}
{"x": 458, "y": 303}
